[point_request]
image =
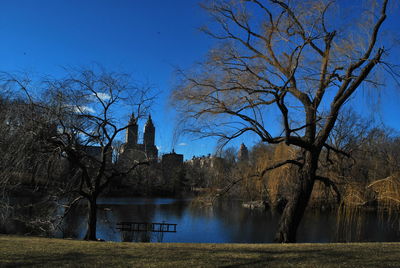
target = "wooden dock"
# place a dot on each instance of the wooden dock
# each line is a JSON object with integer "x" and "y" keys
{"x": 147, "y": 227}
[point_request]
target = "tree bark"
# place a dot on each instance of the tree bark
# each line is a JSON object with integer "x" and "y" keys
{"x": 92, "y": 221}
{"x": 297, "y": 204}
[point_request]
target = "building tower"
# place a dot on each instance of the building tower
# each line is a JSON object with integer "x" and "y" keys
{"x": 243, "y": 154}
{"x": 132, "y": 132}
{"x": 149, "y": 133}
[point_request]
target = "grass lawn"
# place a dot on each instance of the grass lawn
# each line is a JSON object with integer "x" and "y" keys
{"x": 33, "y": 251}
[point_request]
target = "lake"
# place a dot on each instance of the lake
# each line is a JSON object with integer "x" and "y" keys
{"x": 226, "y": 222}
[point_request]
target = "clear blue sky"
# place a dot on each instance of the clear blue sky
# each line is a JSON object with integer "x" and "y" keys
{"x": 147, "y": 38}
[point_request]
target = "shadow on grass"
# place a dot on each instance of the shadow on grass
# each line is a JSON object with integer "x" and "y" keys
{"x": 72, "y": 259}
{"x": 327, "y": 257}
{"x": 81, "y": 254}
{"x": 49, "y": 260}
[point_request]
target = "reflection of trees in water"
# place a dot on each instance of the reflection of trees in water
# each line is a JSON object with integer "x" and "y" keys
{"x": 32, "y": 215}
{"x": 73, "y": 223}
{"x": 146, "y": 213}
{"x": 362, "y": 225}
{"x": 256, "y": 225}
{"x": 233, "y": 223}
{"x": 350, "y": 225}
{"x": 318, "y": 226}
{"x": 145, "y": 232}
{"x": 109, "y": 215}
{"x": 134, "y": 213}
{"x": 130, "y": 236}
{"x": 176, "y": 209}
{"x": 198, "y": 210}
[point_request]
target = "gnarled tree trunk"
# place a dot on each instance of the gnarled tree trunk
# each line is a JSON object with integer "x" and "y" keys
{"x": 297, "y": 204}
{"x": 92, "y": 221}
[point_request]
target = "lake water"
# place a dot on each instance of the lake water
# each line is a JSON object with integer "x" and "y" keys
{"x": 226, "y": 222}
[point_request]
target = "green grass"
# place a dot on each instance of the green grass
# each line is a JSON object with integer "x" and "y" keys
{"x": 34, "y": 251}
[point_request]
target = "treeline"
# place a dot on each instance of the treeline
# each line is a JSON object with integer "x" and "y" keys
{"x": 27, "y": 167}
{"x": 61, "y": 147}
{"x": 361, "y": 169}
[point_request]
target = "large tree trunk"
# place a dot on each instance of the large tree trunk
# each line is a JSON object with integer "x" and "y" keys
{"x": 294, "y": 209}
{"x": 92, "y": 222}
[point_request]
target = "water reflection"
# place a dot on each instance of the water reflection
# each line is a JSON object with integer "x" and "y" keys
{"x": 226, "y": 222}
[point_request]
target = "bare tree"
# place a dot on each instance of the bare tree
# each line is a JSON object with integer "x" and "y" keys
{"x": 24, "y": 163}
{"x": 86, "y": 109}
{"x": 289, "y": 59}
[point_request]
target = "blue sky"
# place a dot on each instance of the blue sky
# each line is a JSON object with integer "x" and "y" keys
{"x": 148, "y": 39}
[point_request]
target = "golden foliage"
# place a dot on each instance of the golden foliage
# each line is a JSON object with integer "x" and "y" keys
{"x": 279, "y": 181}
{"x": 387, "y": 190}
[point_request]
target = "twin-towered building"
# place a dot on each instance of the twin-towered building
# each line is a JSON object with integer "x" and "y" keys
{"x": 171, "y": 165}
{"x": 132, "y": 150}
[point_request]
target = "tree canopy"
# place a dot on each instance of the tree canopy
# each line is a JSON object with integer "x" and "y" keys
{"x": 300, "y": 61}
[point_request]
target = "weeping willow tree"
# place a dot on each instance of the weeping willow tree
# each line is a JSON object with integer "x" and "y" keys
{"x": 280, "y": 180}
{"x": 388, "y": 194}
{"x": 298, "y": 61}
{"x": 381, "y": 195}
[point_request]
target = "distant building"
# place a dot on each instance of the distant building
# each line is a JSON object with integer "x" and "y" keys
{"x": 172, "y": 167}
{"x": 243, "y": 154}
{"x": 205, "y": 161}
{"x": 96, "y": 152}
{"x": 132, "y": 150}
